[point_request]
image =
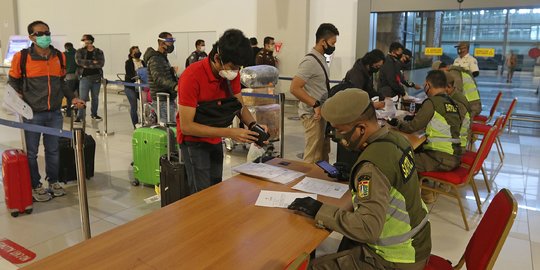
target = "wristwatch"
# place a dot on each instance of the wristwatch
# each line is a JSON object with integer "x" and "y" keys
{"x": 317, "y": 104}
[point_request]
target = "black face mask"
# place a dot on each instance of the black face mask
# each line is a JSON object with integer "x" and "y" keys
{"x": 407, "y": 62}
{"x": 137, "y": 55}
{"x": 329, "y": 50}
{"x": 169, "y": 49}
{"x": 398, "y": 56}
{"x": 373, "y": 70}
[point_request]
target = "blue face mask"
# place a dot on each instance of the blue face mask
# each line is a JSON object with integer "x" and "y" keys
{"x": 43, "y": 41}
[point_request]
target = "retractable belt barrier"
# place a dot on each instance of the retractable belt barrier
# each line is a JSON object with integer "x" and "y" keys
{"x": 77, "y": 135}
{"x": 290, "y": 79}
{"x": 126, "y": 83}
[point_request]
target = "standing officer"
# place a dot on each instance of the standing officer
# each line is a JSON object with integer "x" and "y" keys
{"x": 388, "y": 228}
{"x": 465, "y": 60}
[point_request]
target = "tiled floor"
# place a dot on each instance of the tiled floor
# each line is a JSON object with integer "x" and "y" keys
{"x": 55, "y": 225}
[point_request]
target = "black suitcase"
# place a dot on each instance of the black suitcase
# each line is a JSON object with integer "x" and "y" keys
{"x": 67, "y": 171}
{"x": 172, "y": 175}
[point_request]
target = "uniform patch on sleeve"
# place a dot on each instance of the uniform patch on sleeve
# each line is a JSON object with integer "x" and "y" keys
{"x": 363, "y": 186}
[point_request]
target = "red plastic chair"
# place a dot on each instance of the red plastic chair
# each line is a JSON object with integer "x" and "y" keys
{"x": 461, "y": 176}
{"x": 484, "y": 119}
{"x": 468, "y": 157}
{"x": 300, "y": 263}
{"x": 488, "y": 238}
{"x": 481, "y": 129}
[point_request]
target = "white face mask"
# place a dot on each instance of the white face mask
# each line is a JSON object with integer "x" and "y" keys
{"x": 202, "y": 48}
{"x": 83, "y": 44}
{"x": 228, "y": 74}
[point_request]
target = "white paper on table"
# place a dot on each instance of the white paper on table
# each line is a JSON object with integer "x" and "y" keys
{"x": 280, "y": 199}
{"x": 268, "y": 172}
{"x": 13, "y": 102}
{"x": 322, "y": 187}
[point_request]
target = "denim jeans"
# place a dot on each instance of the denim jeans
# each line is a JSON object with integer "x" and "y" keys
{"x": 90, "y": 85}
{"x": 132, "y": 96}
{"x": 204, "y": 164}
{"x": 51, "y": 119}
{"x": 163, "y": 110}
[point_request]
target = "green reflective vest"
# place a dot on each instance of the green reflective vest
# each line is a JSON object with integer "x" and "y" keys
{"x": 469, "y": 87}
{"x": 443, "y": 130}
{"x": 406, "y": 234}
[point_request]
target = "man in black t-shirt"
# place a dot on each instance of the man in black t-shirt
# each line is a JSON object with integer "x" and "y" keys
{"x": 90, "y": 61}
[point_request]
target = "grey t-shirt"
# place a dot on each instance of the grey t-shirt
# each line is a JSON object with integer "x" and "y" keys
{"x": 312, "y": 73}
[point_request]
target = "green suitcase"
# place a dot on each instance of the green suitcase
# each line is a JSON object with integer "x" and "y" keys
{"x": 149, "y": 144}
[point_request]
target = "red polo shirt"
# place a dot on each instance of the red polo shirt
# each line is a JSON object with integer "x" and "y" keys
{"x": 197, "y": 84}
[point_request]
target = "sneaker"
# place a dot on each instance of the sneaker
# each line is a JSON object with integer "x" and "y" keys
{"x": 57, "y": 190}
{"x": 40, "y": 194}
{"x": 96, "y": 117}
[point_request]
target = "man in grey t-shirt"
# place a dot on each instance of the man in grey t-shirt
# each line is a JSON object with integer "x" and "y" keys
{"x": 309, "y": 84}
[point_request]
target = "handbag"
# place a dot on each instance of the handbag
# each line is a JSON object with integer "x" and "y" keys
{"x": 218, "y": 112}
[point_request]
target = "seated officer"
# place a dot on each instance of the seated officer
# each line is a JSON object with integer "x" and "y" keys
{"x": 388, "y": 228}
{"x": 439, "y": 117}
{"x": 464, "y": 110}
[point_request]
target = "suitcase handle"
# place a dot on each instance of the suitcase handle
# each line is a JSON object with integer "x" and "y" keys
{"x": 168, "y": 99}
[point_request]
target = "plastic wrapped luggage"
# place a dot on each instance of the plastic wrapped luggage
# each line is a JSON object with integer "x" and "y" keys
{"x": 17, "y": 184}
{"x": 269, "y": 115}
{"x": 259, "y": 76}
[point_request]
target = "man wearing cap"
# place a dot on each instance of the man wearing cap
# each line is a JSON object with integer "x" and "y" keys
{"x": 162, "y": 76}
{"x": 464, "y": 84}
{"x": 90, "y": 61}
{"x": 388, "y": 228}
{"x": 465, "y": 60}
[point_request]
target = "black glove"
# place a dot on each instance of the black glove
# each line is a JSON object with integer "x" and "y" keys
{"x": 393, "y": 122}
{"x": 343, "y": 171}
{"x": 307, "y": 205}
{"x": 408, "y": 117}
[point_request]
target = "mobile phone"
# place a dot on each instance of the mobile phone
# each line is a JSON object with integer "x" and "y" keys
{"x": 263, "y": 136}
{"x": 331, "y": 170}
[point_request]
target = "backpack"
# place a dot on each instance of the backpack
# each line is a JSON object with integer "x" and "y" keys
{"x": 344, "y": 84}
{"x": 24, "y": 57}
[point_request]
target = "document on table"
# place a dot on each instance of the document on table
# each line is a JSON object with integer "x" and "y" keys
{"x": 322, "y": 187}
{"x": 268, "y": 172}
{"x": 280, "y": 199}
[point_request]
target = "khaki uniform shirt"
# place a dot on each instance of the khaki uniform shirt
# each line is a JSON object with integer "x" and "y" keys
{"x": 467, "y": 62}
{"x": 366, "y": 223}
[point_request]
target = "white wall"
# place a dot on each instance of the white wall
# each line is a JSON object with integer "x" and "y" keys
{"x": 343, "y": 16}
{"x": 143, "y": 20}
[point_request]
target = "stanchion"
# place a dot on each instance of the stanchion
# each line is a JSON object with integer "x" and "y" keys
{"x": 78, "y": 145}
{"x": 282, "y": 125}
{"x": 105, "y": 132}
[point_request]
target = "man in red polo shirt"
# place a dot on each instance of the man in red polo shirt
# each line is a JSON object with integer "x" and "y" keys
{"x": 206, "y": 80}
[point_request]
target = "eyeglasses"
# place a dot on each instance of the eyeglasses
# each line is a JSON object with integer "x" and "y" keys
{"x": 41, "y": 33}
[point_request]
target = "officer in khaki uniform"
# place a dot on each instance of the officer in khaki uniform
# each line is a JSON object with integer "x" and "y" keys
{"x": 464, "y": 111}
{"x": 465, "y": 60}
{"x": 266, "y": 55}
{"x": 388, "y": 228}
{"x": 439, "y": 116}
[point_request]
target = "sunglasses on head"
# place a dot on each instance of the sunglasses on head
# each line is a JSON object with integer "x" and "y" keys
{"x": 41, "y": 33}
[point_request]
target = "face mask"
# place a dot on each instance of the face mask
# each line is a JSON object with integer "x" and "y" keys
{"x": 373, "y": 70}
{"x": 329, "y": 50}
{"x": 43, "y": 41}
{"x": 83, "y": 44}
{"x": 227, "y": 73}
{"x": 406, "y": 62}
{"x": 398, "y": 56}
{"x": 202, "y": 48}
{"x": 271, "y": 48}
{"x": 170, "y": 48}
{"x": 137, "y": 55}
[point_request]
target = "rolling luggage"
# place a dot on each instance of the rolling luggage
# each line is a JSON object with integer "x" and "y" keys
{"x": 67, "y": 171}
{"x": 17, "y": 183}
{"x": 149, "y": 144}
{"x": 173, "y": 176}
{"x": 67, "y": 158}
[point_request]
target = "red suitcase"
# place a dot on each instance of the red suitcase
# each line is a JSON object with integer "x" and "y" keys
{"x": 17, "y": 186}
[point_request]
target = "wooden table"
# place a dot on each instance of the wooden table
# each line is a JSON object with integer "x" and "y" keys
{"x": 217, "y": 228}
{"x": 416, "y": 139}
